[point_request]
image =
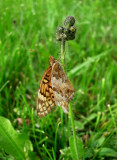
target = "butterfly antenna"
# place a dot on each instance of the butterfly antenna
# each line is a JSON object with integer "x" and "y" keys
{"x": 44, "y": 45}
{"x": 37, "y": 52}
{"x": 34, "y": 51}
{"x": 59, "y": 58}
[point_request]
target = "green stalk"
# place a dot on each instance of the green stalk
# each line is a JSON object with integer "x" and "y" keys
{"x": 70, "y": 108}
{"x": 63, "y": 62}
{"x": 63, "y": 52}
{"x": 74, "y": 132}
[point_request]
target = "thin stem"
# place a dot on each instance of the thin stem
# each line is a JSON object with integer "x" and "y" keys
{"x": 63, "y": 62}
{"x": 70, "y": 108}
{"x": 63, "y": 52}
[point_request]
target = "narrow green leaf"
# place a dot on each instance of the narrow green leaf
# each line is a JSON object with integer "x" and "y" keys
{"x": 79, "y": 148}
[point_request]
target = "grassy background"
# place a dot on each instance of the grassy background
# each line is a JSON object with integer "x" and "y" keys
{"x": 91, "y": 64}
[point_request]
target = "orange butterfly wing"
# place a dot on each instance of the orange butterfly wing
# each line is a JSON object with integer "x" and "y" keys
{"x": 45, "y": 96}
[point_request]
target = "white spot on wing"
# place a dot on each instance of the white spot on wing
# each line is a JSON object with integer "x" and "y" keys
{"x": 41, "y": 109}
{"x": 46, "y": 112}
{"x": 39, "y": 106}
{"x": 57, "y": 95}
{"x": 39, "y": 93}
{"x": 56, "y": 81}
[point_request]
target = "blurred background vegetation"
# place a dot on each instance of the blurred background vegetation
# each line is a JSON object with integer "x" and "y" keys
{"x": 91, "y": 65}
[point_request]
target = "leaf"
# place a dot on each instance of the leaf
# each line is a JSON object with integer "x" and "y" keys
{"x": 65, "y": 152}
{"x": 76, "y": 152}
{"x": 98, "y": 142}
{"x": 90, "y": 118}
{"x": 32, "y": 155}
{"x": 78, "y": 125}
{"x": 90, "y": 60}
{"x": 88, "y": 152}
{"x": 11, "y": 141}
{"x": 108, "y": 152}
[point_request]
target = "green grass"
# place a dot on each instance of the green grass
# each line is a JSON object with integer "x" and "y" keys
{"x": 91, "y": 64}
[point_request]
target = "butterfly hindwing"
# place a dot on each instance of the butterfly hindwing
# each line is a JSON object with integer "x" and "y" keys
{"x": 62, "y": 87}
{"x": 45, "y": 96}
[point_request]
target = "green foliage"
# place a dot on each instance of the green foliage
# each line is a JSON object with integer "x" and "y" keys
{"x": 14, "y": 143}
{"x": 91, "y": 65}
{"x": 74, "y": 150}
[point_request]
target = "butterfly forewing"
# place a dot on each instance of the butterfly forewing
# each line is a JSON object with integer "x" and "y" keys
{"x": 45, "y": 96}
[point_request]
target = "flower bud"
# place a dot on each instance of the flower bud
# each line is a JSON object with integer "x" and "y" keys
{"x": 69, "y": 21}
{"x": 59, "y": 33}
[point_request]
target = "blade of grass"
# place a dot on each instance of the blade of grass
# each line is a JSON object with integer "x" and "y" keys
{"x": 74, "y": 133}
{"x": 47, "y": 152}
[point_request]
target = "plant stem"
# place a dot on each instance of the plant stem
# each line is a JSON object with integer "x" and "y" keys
{"x": 70, "y": 108}
{"x": 63, "y": 52}
{"x": 63, "y": 62}
{"x": 73, "y": 128}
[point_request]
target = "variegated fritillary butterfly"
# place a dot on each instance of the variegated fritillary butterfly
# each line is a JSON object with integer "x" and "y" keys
{"x": 55, "y": 89}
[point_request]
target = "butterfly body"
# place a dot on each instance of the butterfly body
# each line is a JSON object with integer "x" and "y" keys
{"x": 55, "y": 89}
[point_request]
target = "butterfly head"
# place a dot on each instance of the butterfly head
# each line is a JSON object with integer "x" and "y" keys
{"x": 52, "y": 60}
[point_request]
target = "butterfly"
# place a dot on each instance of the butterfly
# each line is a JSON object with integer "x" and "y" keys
{"x": 55, "y": 89}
